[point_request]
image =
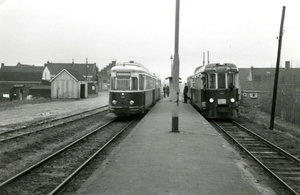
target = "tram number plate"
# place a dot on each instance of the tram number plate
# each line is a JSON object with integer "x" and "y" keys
{"x": 221, "y": 101}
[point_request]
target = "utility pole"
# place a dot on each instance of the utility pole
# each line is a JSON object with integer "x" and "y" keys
{"x": 203, "y": 58}
{"x": 175, "y": 74}
{"x": 277, "y": 71}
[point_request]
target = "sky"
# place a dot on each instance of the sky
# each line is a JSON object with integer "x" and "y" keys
{"x": 243, "y": 32}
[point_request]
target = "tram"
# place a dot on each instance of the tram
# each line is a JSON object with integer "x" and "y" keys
{"x": 133, "y": 89}
{"x": 214, "y": 90}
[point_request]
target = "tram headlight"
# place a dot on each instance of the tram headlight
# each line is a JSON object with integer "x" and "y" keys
{"x": 211, "y": 100}
{"x": 131, "y": 102}
{"x": 114, "y": 102}
{"x": 232, "y": 100}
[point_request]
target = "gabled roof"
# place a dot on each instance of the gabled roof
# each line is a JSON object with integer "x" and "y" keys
{"x": 245, "y": 83}
{"x": 81, "y": 69}
{"x": 21, "y": 72}
{"x": 73, "y": 73}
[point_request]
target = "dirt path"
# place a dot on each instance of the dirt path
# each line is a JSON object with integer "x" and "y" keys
{"x": 49, "y": 109}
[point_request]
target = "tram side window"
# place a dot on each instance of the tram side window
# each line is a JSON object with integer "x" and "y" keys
{"x": 141, "y": 82}
{"x": 134, "y": 83}
{"x": 153, "y": 83}
{"x": 113, "y": 83}
{"x": 203, "y": 80}
{"x": 193, "y": 82}
{"x": 230, "y": 80}
{"x": 212, "y": 81}
{"x": 221, "y": 81}
{"x": 149, "y": 84}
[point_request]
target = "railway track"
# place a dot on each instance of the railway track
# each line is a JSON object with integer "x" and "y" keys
{"x": 51, "y": 174}
{"x": 281, "y": 165}
{"x": 46, "y": 124}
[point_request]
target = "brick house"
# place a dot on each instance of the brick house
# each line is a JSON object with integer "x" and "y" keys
{"x": 257, "y": 84}
{"x": 104, "y": 77}
{"x": 17, "y": 80}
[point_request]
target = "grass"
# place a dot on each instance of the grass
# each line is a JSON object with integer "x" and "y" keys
{"x": 285, "y": 134}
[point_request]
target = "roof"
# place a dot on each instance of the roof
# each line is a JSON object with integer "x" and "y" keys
{"x": 263, "y": 78}
{"x": 41, "y": 87}
{"x": 21, "y": 72}
{"x": 245, "y": 83}
{"x": 132, "y": 67}
{"x": 81, "y": 69}
{"x": 72, "y": 73}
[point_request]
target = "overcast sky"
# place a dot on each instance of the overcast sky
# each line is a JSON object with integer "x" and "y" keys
{"x": 238, "y": 31}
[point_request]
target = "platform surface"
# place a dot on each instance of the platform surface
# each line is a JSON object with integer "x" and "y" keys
{"x": 154, "y": 160}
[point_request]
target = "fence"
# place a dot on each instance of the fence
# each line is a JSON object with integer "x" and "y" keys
{"x": 287, "y": 106}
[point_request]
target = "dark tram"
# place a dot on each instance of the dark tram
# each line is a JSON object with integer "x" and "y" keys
{"x": 214, "y": 90}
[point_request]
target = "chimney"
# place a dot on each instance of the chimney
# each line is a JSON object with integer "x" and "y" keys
{"x": 2, "y": 65}
{"x": 250, "y": 74}
{"x": 287, "y": 64}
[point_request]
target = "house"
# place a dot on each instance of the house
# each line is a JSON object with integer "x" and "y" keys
{"x": 87, "y": 71}
{"x": 17, "y": 80}
{"x": 104, "y": 77}
{"x": 69, "y": 84}
{"x": 257, "y": 84}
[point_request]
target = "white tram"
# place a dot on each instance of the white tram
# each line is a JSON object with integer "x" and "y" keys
{"x": 133, "y": 88}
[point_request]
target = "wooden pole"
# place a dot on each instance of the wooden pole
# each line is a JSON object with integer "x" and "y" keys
{"x": 277, "y": 71}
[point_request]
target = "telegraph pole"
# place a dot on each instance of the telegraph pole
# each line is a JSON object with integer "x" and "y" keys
{"x": 277, "y": 70}
{"x": 175, "y": 74}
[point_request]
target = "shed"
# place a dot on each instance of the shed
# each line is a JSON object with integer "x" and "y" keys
{"x": 40, "y": 91}
{"x": 68, "y": 84}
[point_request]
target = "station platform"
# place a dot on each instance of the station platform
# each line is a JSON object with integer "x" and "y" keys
{"x": 154, "y": 160}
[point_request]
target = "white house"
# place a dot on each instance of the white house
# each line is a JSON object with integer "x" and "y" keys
{"x": 69, "y": 84}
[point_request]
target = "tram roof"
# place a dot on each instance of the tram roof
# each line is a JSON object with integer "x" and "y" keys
{"x": 132, "y": 63}
{"x": 215, "y": 67}
{"x": 132, "y": 67}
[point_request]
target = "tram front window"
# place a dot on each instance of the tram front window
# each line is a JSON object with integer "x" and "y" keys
{"x": 124, "y": 84}
{"x": 230, "y": 79}
{"x": 212, "y": 81}
{"x": 221, "y": 81}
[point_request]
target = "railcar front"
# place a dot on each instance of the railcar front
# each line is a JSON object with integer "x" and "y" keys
{"x": 215, "y": 90}
{"x": 132, "y": 89}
